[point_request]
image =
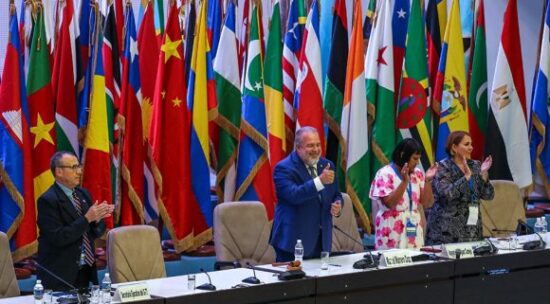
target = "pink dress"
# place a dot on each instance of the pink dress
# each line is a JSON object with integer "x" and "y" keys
{"x": 390, "y": 224}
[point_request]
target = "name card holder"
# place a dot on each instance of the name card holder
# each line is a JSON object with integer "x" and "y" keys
{"x": 395, "y": 258}
{"x": 464, "y": 250}
{"x": 132, "y": 292}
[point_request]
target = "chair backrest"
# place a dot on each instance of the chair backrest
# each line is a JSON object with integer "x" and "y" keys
{"x": 8, "y": 281}
{"x": 241, "y": 233}
{"x": 134, "y": 253}
{"x": 504, "y": 210}
{"x": 347, "y": 223}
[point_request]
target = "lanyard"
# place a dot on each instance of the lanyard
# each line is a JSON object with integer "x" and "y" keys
{"x": 409, "y": 186}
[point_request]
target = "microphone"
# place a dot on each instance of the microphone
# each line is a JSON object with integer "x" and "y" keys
{"x": 532, "y": 244}
{"x": 485, "y": 249}
{"x": 206, "y": 286}
{"x": 79, "y": 296}
{"x": 368, "y": 260}
{"x": 254, "y": 279}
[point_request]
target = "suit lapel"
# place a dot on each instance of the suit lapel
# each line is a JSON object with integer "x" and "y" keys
{"x": 65, "y": 202}
{"x": 300, "y": 166}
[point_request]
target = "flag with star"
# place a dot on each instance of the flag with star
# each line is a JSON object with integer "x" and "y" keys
{"x": 198, "y": 99}
{"x": 41, "y": 108}
{"x": 254, "y": 179}
{"x": 507, "y": 124}
{"x": 334, "y": 87}
{"x": 450, "y": 85}
{"x": 169, "y": 136}
{"x": 400, "y": 23}
{"x": 228, "y": 83}
{"x": 380, "y": 89}
{"x": 96, "y": 153}
{"x": 354, "y": 123}
{"x": 64, "y": 77}
{"x": 413, "y": 116}
{"x": 291, "y": 55}
{"x": 17, "y": 205}
{"x": 148, "y": 63}
{"x": 308, "y": 98}
{"x": 134, "y": 149}
{"x": 433, "y": 35}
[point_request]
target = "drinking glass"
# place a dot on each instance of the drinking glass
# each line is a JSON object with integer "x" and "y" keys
{"x": 325, "y": 259}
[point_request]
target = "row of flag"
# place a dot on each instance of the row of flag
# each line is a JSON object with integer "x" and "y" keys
{"x": 154, "y": 108}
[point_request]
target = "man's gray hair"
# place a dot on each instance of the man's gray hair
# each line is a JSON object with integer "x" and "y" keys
{"x": 55, "y": 161}
{"x": 300, "y": 132}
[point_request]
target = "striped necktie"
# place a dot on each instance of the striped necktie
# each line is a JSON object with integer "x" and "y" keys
{"x": 86, "y": 242}
{"x": 312, "y": 171}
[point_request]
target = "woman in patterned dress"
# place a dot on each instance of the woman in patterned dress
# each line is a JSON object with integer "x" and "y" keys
{"x": 458, "y": 186}
{"x": 400, "y": 188}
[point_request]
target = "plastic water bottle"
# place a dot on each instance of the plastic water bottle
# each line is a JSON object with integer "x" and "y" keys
{"x": 299, "y": 251}
{"x": 106, "y": 288}
{"x": 539, "y": 225}
{"x": 38, "y": 292}
{"x": 544, "y": 224}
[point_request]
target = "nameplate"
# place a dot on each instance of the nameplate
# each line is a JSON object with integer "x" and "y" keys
{"x": 395, "y": 258}
{"x": 132, "y": 292}
{"x": 465, "y": 250}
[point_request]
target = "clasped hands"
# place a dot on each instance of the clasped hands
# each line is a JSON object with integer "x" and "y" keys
{"x": 98, "y": 211}
{"x": 485, "y": 166}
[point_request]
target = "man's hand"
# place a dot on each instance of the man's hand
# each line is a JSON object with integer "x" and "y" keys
{"x": 327, "y": 176}
{"x": 336, "y": 208}
{"x": 99, "y": 211}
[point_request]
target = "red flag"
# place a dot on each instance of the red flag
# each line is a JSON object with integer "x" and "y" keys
{"x": 170, "y": 138}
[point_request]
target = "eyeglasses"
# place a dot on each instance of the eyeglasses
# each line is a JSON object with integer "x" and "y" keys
{"x": 73, "y": 167}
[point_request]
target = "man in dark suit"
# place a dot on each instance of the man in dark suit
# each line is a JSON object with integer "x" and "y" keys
{"x": 307, "y": 199}
{"x": 69, "y": 223}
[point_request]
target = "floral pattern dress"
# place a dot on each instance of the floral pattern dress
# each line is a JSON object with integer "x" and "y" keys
{"x": 390, "y": 224}
{"x": 453, "y": 196}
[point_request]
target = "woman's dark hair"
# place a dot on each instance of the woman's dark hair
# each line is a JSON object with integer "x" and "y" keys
{"x": 404, "y": 150}
{"x": 454, "y": 139}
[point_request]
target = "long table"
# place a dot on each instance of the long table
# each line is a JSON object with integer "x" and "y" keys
{"x": 515, "y": 277}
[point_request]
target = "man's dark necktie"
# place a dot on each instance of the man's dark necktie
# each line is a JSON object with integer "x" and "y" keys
{"x": 312, "y": 171}
{"x": 86, "y": 242}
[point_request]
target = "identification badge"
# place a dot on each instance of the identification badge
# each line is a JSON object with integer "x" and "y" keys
{"x": 473, "y": 216}
{"x": 410, "y": 229}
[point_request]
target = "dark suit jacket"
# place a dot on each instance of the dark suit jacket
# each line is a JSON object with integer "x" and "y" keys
{"x": 301, "y": 209}
{"x": 61, "y": 231}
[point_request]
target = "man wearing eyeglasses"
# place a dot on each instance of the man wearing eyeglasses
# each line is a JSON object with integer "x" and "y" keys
{"x": 69, "y": 223}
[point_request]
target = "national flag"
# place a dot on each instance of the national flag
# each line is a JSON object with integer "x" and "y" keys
{"x": 112, "y": 70}
{"x": 254, "y": 179}
{"x": 134, "y": 149}
{"x": 369, "y": 20}
{"x": 228, "y": 85}
{"x": 17, "y": 212}
{"x": 41, "y": 108}
{"x": 64, "y": 81}
{"x": 413, "y": 117}
{"x": 214, "y": 25}
{"x": 380, "y": 90}
{"x": 198, "y": 100}
{"x": 467, "y": 20}
{"x": 400, "y": 23}
{"x": 91, "y": 12}
{"x": 273, "y": 81}
{"x": 95, "y": 157}
{"x": 335, "y": 86}
{"x": 25, "y": 31}
{"x": 326, "y": 34}
{"x": 308, "y": 98}
{"x": 189, "y": 37}
{"x": 507, "y": 126}
{"x": 354, "y": 123}
{"x": 243, "y": 17}
{"x": 433, "y": 35}
{"x": 478, "y": 101}
{"x": 291, "y": 55}
{"x": 119, "y": 17}
{"x": 170, "y": 138}
{"x": 148, "y": 64}
{"x": 450, "y": 87}
{"x": 539, "y": 132}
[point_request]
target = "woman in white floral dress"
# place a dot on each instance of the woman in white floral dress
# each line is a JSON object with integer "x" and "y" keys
{"x": 400, "y": 188}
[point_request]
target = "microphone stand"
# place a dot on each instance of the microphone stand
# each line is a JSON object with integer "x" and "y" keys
{"x": 80, "y": 297}
{"x": 373, "y": 262}
{"x": 254, "y": 279}
{"x": 541, "y": 244}
{"x": 206, "y": 286}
